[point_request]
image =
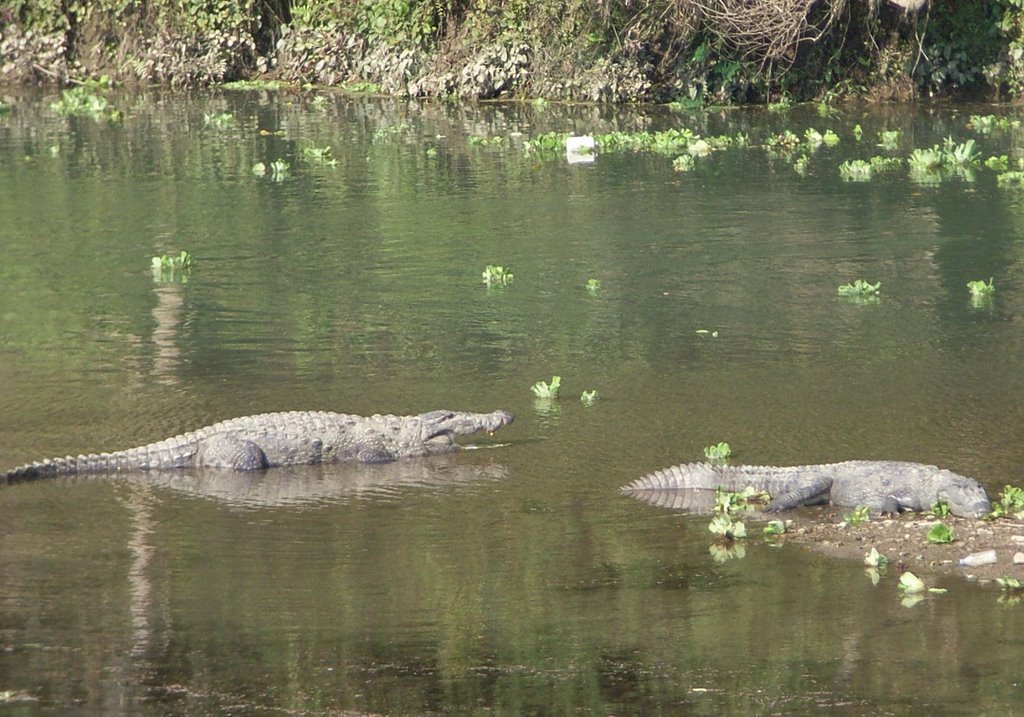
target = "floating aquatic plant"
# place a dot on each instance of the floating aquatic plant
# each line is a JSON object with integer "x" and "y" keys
{"x": 855, "y": 170}
{"x": 494, "y": 275}
{"x": 980, "y": 288}
{"x": 940, "y": 533}
{"x": 860, "y": 288}
{"x": 718, "y": 452}
{"x": 587, "y": 398}
{"x": 542, "y": 389}
{"x": 175, "y": 267}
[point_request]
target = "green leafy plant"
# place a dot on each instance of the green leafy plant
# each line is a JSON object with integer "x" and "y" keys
{"x": 959, "y": 155}
{"x": 858, "y": 132}
{"x": 800, "y": 164}
{"x": 830, "y": 138}
{"x": 998, "y": 163}
{"x": 1011, "y": 179}
{"x": 911, "y": 584}
{"x": 813, "y": 137}
{"x": 860, "y": 288}
{"x": 855, "y": 170}
{"x": 940, "y": 509}
{"x": 874, "y": 559}
{"x": 548, "y": 143}
{"x": 593, "y": 285}
{"x": 774, "y": 528}
{"x": 885, "y": 164}
{"x": 683, "y": 163}
{"x": 1009, "y": 503}
{"x": 362, "y": 87}
{"x": 542, "y": 389}
{"x": 175, "y": 267}
{"x": 83, "y": 101}
{"x": 925, "y": 160}
{"x": 494, "y": 275}
{"x": 728, "y": 527}
{"x": 860, "y": 514}
{"x": 889, "y": 139}
{"x": 940, "y": 533}
{"x": 718, "y": 452}
{"x": 980, "y": 288}
{"x": 587, "y": 398}
{"x": 1011, "y": 583}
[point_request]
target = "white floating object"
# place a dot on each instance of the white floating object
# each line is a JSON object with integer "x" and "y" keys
{"x": 580, "y": 150}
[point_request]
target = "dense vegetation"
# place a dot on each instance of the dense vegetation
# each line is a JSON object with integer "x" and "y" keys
{"x": 709, "y": 51}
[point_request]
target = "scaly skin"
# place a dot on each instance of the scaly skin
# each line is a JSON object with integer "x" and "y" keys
{"x": 881, "y": 486}
{"x": 282, "y": 439}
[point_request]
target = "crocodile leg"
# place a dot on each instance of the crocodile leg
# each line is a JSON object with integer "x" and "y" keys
{"x": 810, "y": 494}
{"x": 227, "y": 452}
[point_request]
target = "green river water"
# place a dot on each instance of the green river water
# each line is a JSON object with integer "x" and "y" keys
{"x": 513, "y": 579}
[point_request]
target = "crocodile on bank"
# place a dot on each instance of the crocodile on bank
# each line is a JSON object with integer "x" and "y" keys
{"x": 881, "y": 486}
{"x": 282, "y": 439}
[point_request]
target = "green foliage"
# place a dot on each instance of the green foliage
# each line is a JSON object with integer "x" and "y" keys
{"x": 940, "y": 509}
{"x": 83, "y": 101}
{"x": 175, "y": 267}
{"x": 855, "y": 170}
{"x": 774, "y": 528}
{"x": 1000, "y": 163}
{"x": 860, "y": 514}
{"x": 547, "y": 143}
{"x": 860, "y": 289}
{"x": 911, "y": 584}
{"x": 1010, "y": 583}
{"x": 1011, "y": 179}
{"x": 363, "y": 87}
{"x": 542, "y": 389}
{"x": 494, "y": 275}
{"x": 889, "y": 139}
{"x": 683, "y": 163}
{"x": 980, "y": 288}
{"x": 940, "y": 533}
{"x": 874, "y": 559}
{"x": 587, "y": 398}
{"x": 925, "y": 160}
{"x": 718, "y": 452}
{"x": 1010, "y": 503}
{"x": 593, "y": 285}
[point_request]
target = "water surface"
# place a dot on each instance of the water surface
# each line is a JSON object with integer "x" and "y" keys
{"x": 513, "y": 579}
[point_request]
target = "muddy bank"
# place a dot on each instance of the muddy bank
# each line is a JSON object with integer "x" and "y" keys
{"x": 903, "y": 540}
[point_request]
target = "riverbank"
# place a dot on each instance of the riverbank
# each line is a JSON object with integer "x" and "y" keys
{"x": 695, "y": 52}
{"x": 903, "y": 541}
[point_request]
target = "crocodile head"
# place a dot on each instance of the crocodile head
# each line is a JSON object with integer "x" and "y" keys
{"x": 965, "y": 497}
{"x": 437, "y": 429}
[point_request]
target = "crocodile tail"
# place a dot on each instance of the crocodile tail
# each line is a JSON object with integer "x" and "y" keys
{"x": 70, "y": 465}
{"x": 685, "y": 476}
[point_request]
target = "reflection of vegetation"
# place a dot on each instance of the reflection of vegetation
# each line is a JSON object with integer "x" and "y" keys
{"x": 84, "y": 101}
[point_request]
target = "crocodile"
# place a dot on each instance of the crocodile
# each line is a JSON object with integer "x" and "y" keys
{"x": 290, "y": 438}
{"x": 880, "y": 486}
